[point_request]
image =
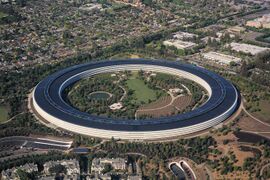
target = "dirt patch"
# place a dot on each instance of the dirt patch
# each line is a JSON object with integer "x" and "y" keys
{"x": 251, "y": 36}
{"x": 165, "y": 106}
{"x": 249, "y": 124}
{"x": 166, "y": 111}
{"x": 264, "y": 114}
{"x": 225, "y": 149}
{"x": 182, "y": 102}
{"x": 232, "y": 146}
{"x": 161, "y": 102}
{"x": 234, "y": 175}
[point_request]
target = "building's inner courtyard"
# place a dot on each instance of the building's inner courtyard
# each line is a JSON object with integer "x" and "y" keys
{"x": 135, "y": 95}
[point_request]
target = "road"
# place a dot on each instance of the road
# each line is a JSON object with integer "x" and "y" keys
{"x": 36, "y": 143}
{"x": 265, "y": 166}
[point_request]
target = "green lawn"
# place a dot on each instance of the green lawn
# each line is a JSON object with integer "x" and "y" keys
{"x": 142, "y": 93}
{"x": 3, "y": 114}
{"x": 268, "y": 39}
{"x": 2, "y": 15}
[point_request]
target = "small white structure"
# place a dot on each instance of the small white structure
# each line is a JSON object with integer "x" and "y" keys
{"x": 176, "y": 90}
{"x": 220, "y": 58}
{"x": 220, "y": 34}
{"x": 116, "y": 106}
{"x": 247, "y": 48}
{"x": 207, "y": 38}
{"x": 179, "y": 44}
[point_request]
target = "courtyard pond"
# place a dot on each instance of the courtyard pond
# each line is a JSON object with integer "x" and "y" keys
{"x": 99, "y": 95}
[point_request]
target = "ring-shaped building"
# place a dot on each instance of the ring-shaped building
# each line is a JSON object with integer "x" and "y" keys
{"x": 49, "y": 102}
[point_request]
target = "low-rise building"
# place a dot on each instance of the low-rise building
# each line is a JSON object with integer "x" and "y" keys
{"x": 247, "y": 48}
{"x": 263, "y": 22}
{"x": 72, "y": 166}
{"x": 98, "y": 164}
{"x": 209, "y": 38}
{"x": 134, "y": 177}
{"x": 236, "y": 30}
{"x": 220, "y": 58}
{"x": 11, "y": 174}
{"x": 184, "y": 35}
{"x": 179, "y": 44}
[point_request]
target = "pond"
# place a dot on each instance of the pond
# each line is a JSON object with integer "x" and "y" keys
{"x": 99, "y": 95}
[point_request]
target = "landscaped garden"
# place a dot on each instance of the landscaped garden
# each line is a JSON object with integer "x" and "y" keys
{"x": 135, "y": 95}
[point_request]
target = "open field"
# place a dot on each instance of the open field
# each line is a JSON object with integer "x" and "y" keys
{"x": 165, "y": 106}
{"x": 182, "y": 102}
{"x": 239, "y": 153}
{"x": 2, "y": 15}
{"x": 249, "y": 124}
{"x": 161, "y": 102}
{"x": 165, "y": 111}
{"x": 267, "y": 39}
{"x": 3, "y": 114}
{"x": 126, "y": 55}
{"x": 264, "y": 114}
{"x": 251, "y": 36}
{"x": 142, "y": 92}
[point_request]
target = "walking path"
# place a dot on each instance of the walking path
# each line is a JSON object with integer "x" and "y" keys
{"x": 12, "y": 118}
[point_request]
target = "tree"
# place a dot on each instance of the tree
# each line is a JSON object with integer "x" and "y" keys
{"x": 107, "y": 168}
{"x": 58, "y": 169}
{"x": 244, "y": 69}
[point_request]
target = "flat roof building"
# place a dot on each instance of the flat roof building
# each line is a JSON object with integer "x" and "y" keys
{"x": 236, "y": 29}
{"x": 247, "y": 48}
{"x": 98, "y": 164}
{"x": 263, "y": 22}
{"x": 184, "y": 35}
{"x": 179, "y": 44}
{"x": 221, "y": 58}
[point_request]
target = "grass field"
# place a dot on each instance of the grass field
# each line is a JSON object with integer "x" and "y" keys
{"x": 268, "y": 39}
{"x": 142, "y": 93}
{"x": 264, "y": 114}
{"x": 2, "y": 15}
{"x": 3, "y": 114}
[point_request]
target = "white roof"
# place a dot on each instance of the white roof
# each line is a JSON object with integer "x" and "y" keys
{"x": 247, "y": 48}
{"x": 222, "y": 58}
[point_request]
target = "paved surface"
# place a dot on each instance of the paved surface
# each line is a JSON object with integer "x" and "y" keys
{"x": 36, "y": 143}
{"x": 265, "y": 166}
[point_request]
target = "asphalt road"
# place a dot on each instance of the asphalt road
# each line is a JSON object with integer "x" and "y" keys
{"x": 36, "y": 143}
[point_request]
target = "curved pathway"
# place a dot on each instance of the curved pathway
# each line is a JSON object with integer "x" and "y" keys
{"x": 265, "y": 166}
{"x": 10, "y": 119}
{"x": 125, "y": 93}
{"x": 173, "y": 98}
{"x": 256, "y": 119}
